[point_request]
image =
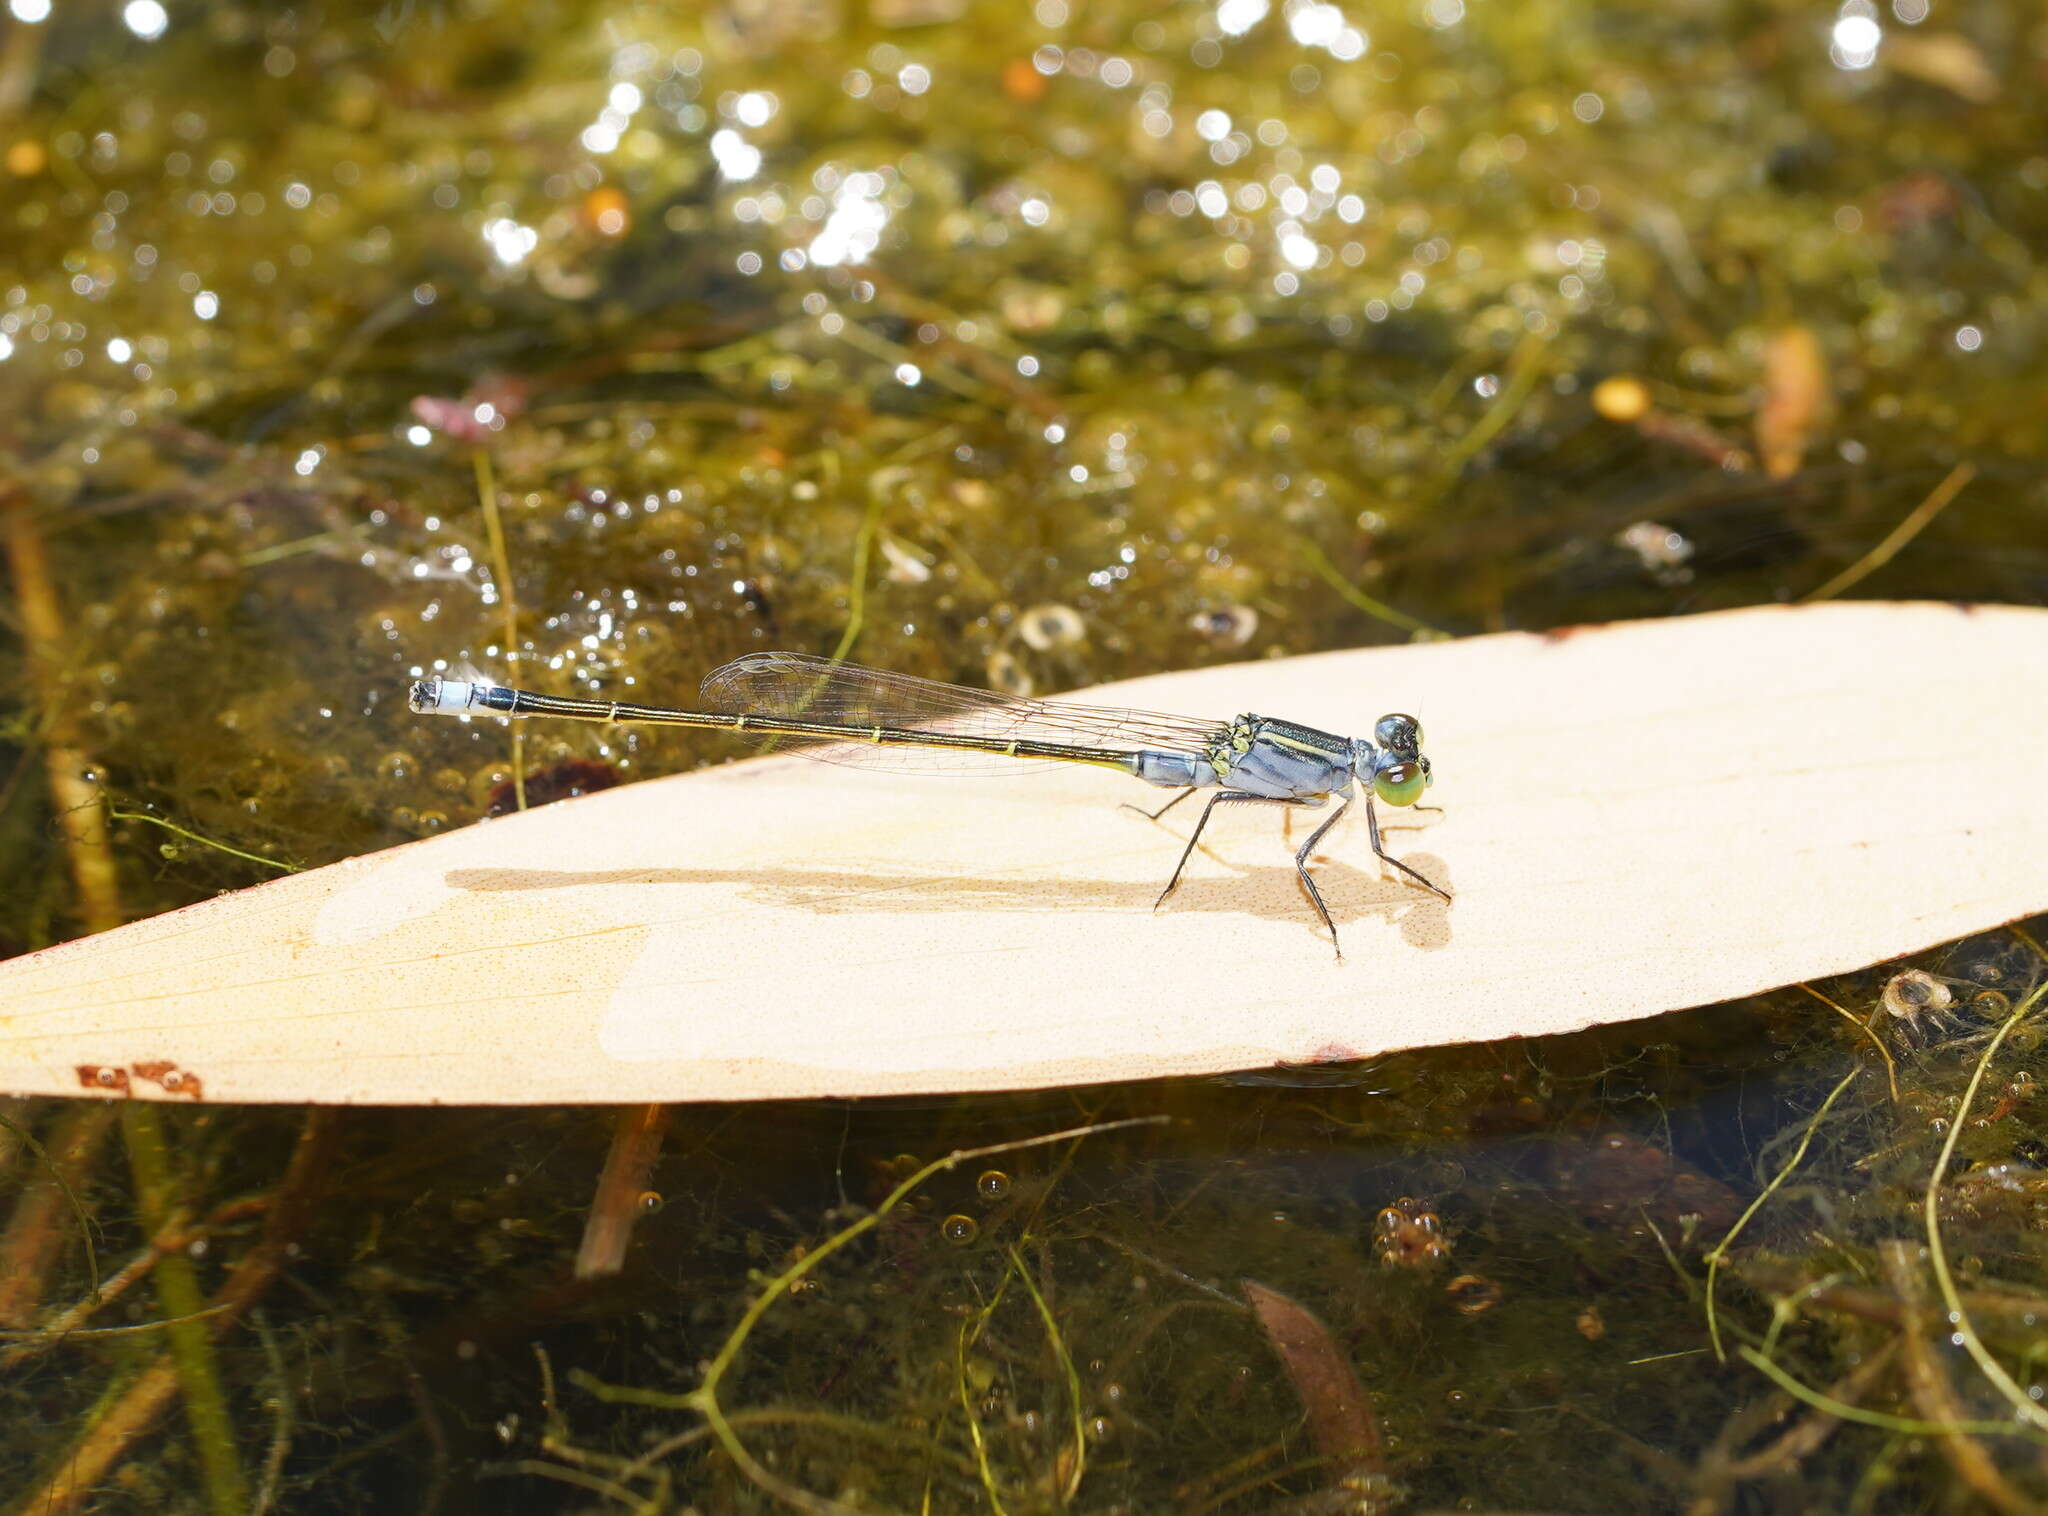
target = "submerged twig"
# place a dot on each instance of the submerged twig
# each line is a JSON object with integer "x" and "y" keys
{"x": 635, "y": 1148}
{"x": 80, "y": 819}
{"x": 282, "y": 1420}
{"x": 32, "y": 1240}
{"x": 1936, "y": 1396}
{"x": 68, "y": 1323}
{"x": 1723, "y": 1468}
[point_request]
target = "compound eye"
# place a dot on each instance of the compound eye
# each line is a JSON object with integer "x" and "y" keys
{"x": 1402, "y": 734}
{"x": 1400, "y": 783}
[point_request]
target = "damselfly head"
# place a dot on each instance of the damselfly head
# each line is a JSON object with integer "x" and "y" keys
{"x": 1401, "y": 783}
{"x": 1393, "y": 765}
{"x": 1399, "y": 735}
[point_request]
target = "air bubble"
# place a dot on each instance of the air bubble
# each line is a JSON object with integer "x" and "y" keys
{"x": 959, "y": 1230}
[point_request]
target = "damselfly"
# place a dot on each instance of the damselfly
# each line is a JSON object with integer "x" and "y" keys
{"x": 842, "y": 713}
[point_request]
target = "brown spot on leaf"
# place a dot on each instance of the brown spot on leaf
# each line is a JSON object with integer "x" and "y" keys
{"x": 1334, "y": 1052}
{"x": 171, "y": 1079}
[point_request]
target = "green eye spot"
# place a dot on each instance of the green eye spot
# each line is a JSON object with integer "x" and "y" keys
{"x": 1400, "y": 784}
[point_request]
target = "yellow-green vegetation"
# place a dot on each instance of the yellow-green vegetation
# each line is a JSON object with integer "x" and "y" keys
{"x": 1030, "y": 345}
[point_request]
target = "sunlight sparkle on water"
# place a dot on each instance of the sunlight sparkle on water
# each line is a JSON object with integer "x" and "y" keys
{"x": 146, "y": 18}
{"x": 1315, "y": 24}
{"x": 510, "y": 242}
{"x": 853, "y": 230}
{"x": 1236, "y": 17}
{"x": 1855, "y": 39}
{"x": 736, "y": 157}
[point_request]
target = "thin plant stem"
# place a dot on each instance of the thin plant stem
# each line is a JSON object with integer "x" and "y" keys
{"x": 114, "y": 813}
{"x": 177, "y": 1290}
{"x": 1908, "y": 1426}
{"x": 1067, "y": 1370}
{"x": 1379, "y": 610}
{"x": 1916, "y": 520}
{"x": 1891, "y": 1069}
{"x": 974, "y": 1433}
{"x": 1525, "y": 368}
{"x": 83, "y": 822}
{"x": 2025, "y": 936}
{"x": 857, "y": 578}
{"x": 1721, "y": 1248}
{"x": 1959, "y": 1319}
{"x": 126, "y": 1413}
{"x": 704, "y": 1399}
{"x": 508, "y": 604}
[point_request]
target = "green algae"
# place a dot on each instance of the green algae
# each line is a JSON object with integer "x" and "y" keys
{"x": 1035, "y": 348}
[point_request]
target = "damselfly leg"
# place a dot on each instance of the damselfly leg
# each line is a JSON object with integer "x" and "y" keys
{"x": 1219, "y": 798}
{"x": 1301, "y": 867}
{"x": 1155, "y": 815}
{"x": 1302, "y": 854}
{"x": 1372, "y": 824}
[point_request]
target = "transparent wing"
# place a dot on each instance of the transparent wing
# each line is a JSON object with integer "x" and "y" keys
{"x": 800, "y": 687}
